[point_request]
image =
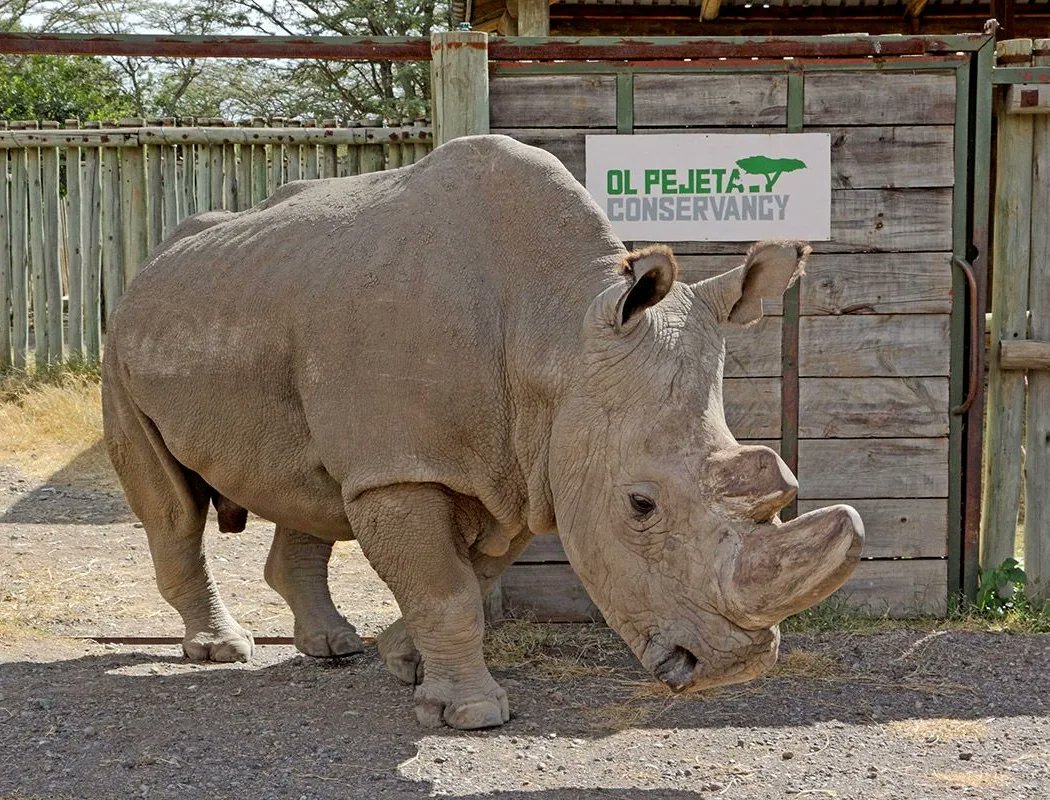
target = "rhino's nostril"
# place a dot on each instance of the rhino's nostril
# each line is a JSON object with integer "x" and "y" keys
{"x": 676, "y": 670}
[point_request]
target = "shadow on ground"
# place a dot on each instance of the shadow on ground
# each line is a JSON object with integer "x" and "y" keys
{"x": 119, "y": 723}
{"x": 68, "y": 495}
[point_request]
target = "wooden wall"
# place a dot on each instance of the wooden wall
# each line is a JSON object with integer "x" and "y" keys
{"x": 873, "y": 324}
{"x": 82, "y": 206}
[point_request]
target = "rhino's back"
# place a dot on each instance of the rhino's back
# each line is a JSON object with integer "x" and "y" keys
{"x": 348, "y": 331}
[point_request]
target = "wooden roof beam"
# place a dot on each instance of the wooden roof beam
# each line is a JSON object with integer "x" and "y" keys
{"x": 709, "y": 9}
{"x": 914, "y": 8}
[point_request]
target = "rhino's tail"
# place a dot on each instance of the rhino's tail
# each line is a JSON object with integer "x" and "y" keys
{"x": 232, "y": 518}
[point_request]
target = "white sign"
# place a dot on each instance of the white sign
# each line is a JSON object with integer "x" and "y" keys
{"x": 713, "y": 187}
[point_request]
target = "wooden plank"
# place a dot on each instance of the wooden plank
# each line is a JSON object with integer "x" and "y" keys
{"x": 276, "y": 167}
{"x": 546, "y": 593}
{"x": 877, "y": 408}
{"x": 849, "y": 468}
{"x": 280, "y": 133}
{"x": 170, "y": 191}
{"x": 53, "y": 238}
{"x": 534, "y": 18}
{"x": 753, "y": 352}
{"x": 187, "y": 182}
{"x": 350, "y": 164}
{"x": 259, "y": 174}
{"x": 872, "y": 346}
{"x": 6, "y": 265}
{"x": 243, "y": 184}
{"x": 216, "y": 172}
{"x": 459, "y": 79}
{"x": 883, "y": 157}
{"x": 134, "y": 210}
{"x": 154, "y": 195}
{"x": 393, "y": 156}
{"x": 1027, "y": 98}
{"x": 371, "y": 158}
{"x": 880, "y": 98}
{"x": 541, "y": 585}
{"x": 898, "y": 589}
{"x": 752, "y": 407}
{"x": 91, "y": 223}
{"x": 1037, "y": 427}
{"x": 897, "y": 528}
{"x": 710, "y": 100}
{"x": 201, "y": 179}
{"x": 112, "y": 242}
{"x": 37, "y": 268}
{"x": 877, "y": 283}
{"x": 1008, "y": 299}
{"x": 1025, "y": 353}
{"x": 293, "y": 163}
{"x": 568, "y": 145}
{"x": 329, "y": 161}
{"x": 229, "y": 177}
{"x": 75, "y": 251}
{"x": 310, "y": 163}
{"x": 889, "y": 220}
{"x": 20, "y": 283}
{"x": 542, "y": 101}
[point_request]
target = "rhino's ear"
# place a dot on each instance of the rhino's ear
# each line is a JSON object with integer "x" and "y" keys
{"x": 650, "y": 274}
{"x": 770, "y": 268}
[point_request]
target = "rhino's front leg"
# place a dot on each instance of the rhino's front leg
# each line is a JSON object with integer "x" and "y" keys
{"x": 297, "y": 569}
{"x": 395, "y": 644}
{"x": 411, "y": 536}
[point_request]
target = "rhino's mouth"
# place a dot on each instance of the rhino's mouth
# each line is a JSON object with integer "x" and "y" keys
{"x": 676, "y": 669}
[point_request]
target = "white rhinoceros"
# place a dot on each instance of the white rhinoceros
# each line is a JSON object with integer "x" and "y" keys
{"x": 442, "y": 361}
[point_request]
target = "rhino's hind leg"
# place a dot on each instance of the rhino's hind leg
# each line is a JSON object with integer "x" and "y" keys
{"x": 172, "y": 503}
{"x": 399, "y": 653}
{"x": 297, "y": 569}
{"x": 410, "y": 534}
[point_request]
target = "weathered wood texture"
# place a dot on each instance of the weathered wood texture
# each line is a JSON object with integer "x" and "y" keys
{"x": 1011, "y": 258}
{"x": 879, "y": 98}
{"x": 125, "y": 191}
{"x": 544, "y": 588}
{"x": 874, "y": 308}
{"x": 460, "y": 81}
{"x": 1037, "y": 427}
{"x": 1028, "y": 354}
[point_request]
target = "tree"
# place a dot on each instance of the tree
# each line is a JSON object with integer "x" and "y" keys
{"x": 59, "y": 88}
{"x": 770, "y": 168}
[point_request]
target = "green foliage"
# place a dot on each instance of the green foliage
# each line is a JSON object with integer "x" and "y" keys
{"x": 1001, "y": 589}
{"x": 59, "y": 88}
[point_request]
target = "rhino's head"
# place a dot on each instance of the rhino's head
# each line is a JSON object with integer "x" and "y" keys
{"x": 670, "y": 522}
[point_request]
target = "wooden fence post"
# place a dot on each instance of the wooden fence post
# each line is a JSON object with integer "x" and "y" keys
{"x": 6, "y": 266}
{"x": 1009, "y": 307}
{"x": 460, "y": 83}
{"x": 19, "y": 270}
{"x": 1037, "y": 438}
{"x": 75, "y": 253}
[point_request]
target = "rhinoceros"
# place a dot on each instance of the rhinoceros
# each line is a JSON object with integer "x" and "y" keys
{"x": 442, "y": 361}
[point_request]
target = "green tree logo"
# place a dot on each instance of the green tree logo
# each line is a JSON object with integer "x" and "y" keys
{"x": 770, "y": 168}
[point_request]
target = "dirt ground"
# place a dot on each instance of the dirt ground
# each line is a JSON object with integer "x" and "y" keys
{"x": 904, "y": 713}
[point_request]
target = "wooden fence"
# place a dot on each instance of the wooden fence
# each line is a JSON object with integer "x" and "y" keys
{"x": 1017, "y": 443}
{"x": 82, "y": 206}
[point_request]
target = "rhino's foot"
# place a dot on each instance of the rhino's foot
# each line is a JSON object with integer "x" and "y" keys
{"x": 228, "y": 643}
{"x": 400, "y": 655}
{"x": 444, "y": 703}
{"x": 333, "y": 639}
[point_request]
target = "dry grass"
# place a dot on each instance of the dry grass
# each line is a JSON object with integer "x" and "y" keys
{"x": 972, "y": 780}
{"x": 52, "y": 425}
{"x": 807, "y": 664}
{"x": 940, "y": 730}
{"x": 558, "y": 652}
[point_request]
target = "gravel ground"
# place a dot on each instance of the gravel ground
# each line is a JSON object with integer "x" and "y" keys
{"x": 898, "y": 714}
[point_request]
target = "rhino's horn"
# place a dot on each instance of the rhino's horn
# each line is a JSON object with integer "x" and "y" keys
{"x": 783, "y": 569}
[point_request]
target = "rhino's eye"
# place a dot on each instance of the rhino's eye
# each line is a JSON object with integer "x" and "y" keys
{"x": 642, "y": 505}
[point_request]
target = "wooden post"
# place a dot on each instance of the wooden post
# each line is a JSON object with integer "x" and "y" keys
{"x": 75, "y": 252}
{"x": 52, "y": 241}
{"x": 276, "y": 167}
{"x": 534, "y": 18}
{"x": 170, "y": 194}
{"x": 92, "y": 255}
{"x": 112, "y": 243}
{"x": 155, "y": 194}
{"x": 215, "y": 175}
{"x": 201, "y": 178}
{"x": 460, "y": 80}
{"x": 35, "y": 224}
{"x": 6, "y": 265}
{"x": 229, "y": 177}
{"x": 1009, "y": 306}
{"x": 244, "y": 176}
{"x": 134, "y": 211}
{"x": 259, "y": 191}
{"x": 1037, "y": 436}
{"x": 19, "y": 260}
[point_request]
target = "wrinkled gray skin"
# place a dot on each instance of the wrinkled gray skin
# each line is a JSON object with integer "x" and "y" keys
{"x": 442, "y": 361}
